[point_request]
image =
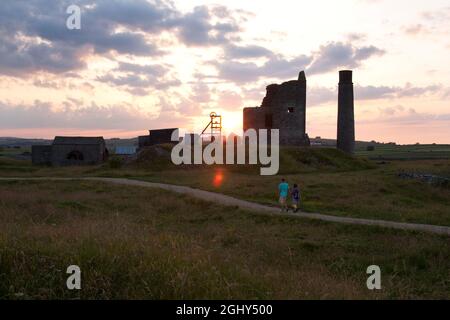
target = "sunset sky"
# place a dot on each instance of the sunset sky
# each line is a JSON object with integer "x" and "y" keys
{"x": 137, "y": 65}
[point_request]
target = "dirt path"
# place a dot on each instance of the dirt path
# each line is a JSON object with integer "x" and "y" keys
{"x": 230, "y": 201}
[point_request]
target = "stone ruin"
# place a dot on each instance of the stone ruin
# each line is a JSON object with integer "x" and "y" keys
{"x": 284, "y": 108}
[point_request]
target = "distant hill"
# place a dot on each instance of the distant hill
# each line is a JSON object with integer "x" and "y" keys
{"x": 27, "y": 143}
{"x": 22, "y": 142}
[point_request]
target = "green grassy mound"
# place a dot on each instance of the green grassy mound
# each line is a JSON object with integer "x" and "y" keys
{"x": 153, "y": 158}
{"x": 299, "y": 160}
{"x": 292, "y": 160}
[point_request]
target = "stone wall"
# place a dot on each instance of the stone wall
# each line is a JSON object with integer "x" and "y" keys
{"x": 91, "y": 155}
{"x": 155, "y": 137}
{"x": 254, "y": 118}
{"x": 41, "y": 155}
{"x": 161, "y": 136}
{"x": 143, "y": 141}
{"x": 283, "y": 108}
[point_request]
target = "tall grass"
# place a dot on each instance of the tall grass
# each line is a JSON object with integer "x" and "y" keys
{"x": 135, "y": 243}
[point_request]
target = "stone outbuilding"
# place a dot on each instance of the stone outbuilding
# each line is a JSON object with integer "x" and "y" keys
{"x": 155, "y": 137}
{"x": 69, "y": 151}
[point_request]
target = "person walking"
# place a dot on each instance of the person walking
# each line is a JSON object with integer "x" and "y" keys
{"x": 295, "y": 198}
{"x": 283, "y": 190}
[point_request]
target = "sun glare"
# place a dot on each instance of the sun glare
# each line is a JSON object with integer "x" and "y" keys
{"x": 231, "y": 122}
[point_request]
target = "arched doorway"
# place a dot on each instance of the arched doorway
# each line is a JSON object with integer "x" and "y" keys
{"x": 75, "y": 156}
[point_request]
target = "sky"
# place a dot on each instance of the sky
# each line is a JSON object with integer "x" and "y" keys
{"x": 137, "y": 65}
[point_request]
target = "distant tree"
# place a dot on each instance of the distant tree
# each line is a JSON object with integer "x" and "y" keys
{"x": 370, "y": 148}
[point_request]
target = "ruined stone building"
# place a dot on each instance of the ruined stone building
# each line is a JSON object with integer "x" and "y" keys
{"x": 67, "y": 151}
{"x": 283, "y": 108}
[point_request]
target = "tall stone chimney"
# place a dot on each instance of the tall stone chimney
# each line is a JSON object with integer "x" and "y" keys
{"x": 301, "y": 102}
{"x": 346, "y": 116}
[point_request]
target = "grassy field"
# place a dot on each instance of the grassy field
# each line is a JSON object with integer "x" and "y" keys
{"x": 358, "y": 194}
{"x": 405, "y": 152}
{"x": 331, "y": 183}
{"x": 149, "y": 244}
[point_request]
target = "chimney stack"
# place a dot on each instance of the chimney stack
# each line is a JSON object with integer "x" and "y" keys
{"x": 346, "y": 116}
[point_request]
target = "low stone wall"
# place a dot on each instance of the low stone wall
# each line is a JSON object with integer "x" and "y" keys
{"x": 427, "y": 178}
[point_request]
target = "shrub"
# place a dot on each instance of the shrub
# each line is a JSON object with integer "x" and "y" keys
{"x": 115, "y": 163}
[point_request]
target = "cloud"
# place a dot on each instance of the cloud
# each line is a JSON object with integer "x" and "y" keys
{"x": 335, "y": 55}
{"x": 430, "y": 23}
{"x": 138, "y": 79}
{"x": 322, "y": 95}
{"x": 400, "y": 115}
{"x": 355, "y": 37}
{"x": 42, "y": 115}
{"x": 446, "y": 94}
{"x": 35, "y": 37}
{"x": 390, "y": 111}
{"x": 200, "y": 93}
{"x": 156, "y": 70}
{"x": 416, "y": 29}
{"x": 441, "y": 15}
{"x": 38, "y": 41}
{"x": 196, "y": 29}
{"x": 250, "y": 51}
{"x": 319, "y": 95}
{"x": 329, "y": 57}
{"x": 385, "y": 92}
{"x": 276, "y": 67}
{"x": 19, "y": 58}
{"x": 229, "y": 100}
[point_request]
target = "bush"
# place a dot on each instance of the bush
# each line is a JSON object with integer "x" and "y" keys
{"x": 115, "y": 163}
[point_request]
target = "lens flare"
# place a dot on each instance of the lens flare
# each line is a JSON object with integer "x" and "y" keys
{"x": 218, "y": 179}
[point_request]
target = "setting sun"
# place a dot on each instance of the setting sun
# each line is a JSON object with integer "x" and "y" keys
{"x": 231, "y": 122}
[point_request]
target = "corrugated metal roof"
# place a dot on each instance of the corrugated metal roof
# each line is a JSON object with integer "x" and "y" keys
{"x": 126, "y": 150}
